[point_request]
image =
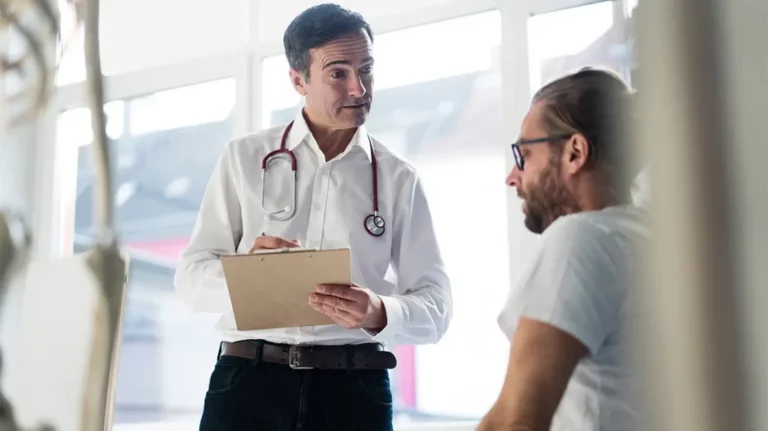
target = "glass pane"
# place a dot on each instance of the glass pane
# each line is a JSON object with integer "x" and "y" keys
{"x": 276, "y": 15}
{"x": 161, "y": 167}
{"x": 437, "y": 102}
{"x": 182, "y": 107}
{"x": 140, "y": 34}
{"x": 564, "y": 41}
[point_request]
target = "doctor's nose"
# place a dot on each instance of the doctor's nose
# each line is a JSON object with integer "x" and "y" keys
{"x": 356, "y": 87}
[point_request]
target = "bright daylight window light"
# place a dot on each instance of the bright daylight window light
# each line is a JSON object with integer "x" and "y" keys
{"x": 405, "y": 57}
{"x": 74, "y": 125}
{"x": 428, "y": 52}
{"x": 565, "y": 32}
{"x": 209, "y": 102}
{"x": 203, "y": 31}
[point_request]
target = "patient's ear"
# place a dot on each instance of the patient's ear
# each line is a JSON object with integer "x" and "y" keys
{"x": 576, "y": 152}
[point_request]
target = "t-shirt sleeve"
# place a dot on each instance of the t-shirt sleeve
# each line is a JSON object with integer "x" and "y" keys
{"x": 573, "y": 284}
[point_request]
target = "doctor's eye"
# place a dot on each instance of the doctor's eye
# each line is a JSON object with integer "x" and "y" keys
{"x": 338, "y": 74}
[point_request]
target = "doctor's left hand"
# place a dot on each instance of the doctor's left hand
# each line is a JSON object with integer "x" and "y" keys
{"x": 350, "y": 306}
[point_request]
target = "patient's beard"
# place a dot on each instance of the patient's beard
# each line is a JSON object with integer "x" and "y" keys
{"x": 547, "y": 200}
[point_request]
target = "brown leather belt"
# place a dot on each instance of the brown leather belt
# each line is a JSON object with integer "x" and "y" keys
{"x": 357, "y": 357}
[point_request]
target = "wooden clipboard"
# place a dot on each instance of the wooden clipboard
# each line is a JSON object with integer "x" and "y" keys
{"x": 270, "y": 288}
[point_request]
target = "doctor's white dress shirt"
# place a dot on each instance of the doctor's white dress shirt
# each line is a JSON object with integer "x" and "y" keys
{"x": 333, "y": 198}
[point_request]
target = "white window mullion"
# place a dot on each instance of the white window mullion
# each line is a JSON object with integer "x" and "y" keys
{"x": 536, "y": 7}
{"x": 515, "y": 72}
{"x": 241, "y": 121}
{"x": 153, "y": 80}
{"x": 54, "y": 186}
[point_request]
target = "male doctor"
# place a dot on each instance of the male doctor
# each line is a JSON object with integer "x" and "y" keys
{"x": 351, "y": 191}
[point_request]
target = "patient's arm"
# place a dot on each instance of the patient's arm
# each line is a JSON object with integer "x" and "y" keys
{"x": 541, "y": 362}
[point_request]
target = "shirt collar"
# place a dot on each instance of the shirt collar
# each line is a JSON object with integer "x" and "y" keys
{"x": 300, "y": 132}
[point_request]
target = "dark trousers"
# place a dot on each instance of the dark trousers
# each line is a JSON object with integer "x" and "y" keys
{"x": 250, "y": 394}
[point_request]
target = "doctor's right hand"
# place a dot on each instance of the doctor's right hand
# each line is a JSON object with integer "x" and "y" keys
{"x": 272, "y": 242}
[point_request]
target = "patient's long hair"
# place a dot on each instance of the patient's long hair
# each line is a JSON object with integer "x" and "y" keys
{"x": 597, "y": 104}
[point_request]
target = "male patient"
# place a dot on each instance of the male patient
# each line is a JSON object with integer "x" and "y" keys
{"x": 569, "y": 317}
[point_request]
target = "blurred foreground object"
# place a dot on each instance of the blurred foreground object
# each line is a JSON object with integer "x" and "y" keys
{"x": 14, "y": 246}
{"x": 28, "y": 36}
{"x": 35, "y": 23}
{"x": 26, "y": 79}
{"x": 702, "y": 108}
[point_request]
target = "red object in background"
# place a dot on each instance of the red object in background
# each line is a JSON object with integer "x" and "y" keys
{"x": 406, "y": 374}
{"x": 169, "y": 249}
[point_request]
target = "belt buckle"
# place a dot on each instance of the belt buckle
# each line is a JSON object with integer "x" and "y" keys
{"x": 293, "y": 359}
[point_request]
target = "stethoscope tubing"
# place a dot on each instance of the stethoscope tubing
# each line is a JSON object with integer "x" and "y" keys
{"x": 374, "y": 224}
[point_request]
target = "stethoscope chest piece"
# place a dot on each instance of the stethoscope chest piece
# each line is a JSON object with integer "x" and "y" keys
{"x": 375, "y": 225}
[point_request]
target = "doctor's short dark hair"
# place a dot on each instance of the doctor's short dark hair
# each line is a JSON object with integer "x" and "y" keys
{"x": 317, "y": 26}
{"x": 599, "y": 105}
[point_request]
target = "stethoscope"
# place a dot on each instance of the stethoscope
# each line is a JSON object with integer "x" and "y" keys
{"x": 374, "y": 223}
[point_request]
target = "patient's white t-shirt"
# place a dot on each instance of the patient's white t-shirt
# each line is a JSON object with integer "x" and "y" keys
{"x": 581, "y": 279}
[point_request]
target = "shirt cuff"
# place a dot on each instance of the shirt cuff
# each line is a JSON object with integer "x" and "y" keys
{"x": 393, "y": 308}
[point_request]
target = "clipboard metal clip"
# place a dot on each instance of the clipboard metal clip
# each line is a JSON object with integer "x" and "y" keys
{"x": 285, "y": 250}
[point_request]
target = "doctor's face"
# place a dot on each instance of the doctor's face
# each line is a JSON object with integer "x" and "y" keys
{"x": 339, "y": 89}
{"x": 540, "y": 184}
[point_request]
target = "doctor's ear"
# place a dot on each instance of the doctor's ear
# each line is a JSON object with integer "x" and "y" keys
{"x": 298, "y": 81}
{"x": 576, "y": 153}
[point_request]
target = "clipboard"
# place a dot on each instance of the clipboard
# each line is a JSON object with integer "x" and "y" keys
{"x": 270, "y": 288}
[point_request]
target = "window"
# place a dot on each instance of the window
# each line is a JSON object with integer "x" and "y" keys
{"x": 170, "y": 31}
{"x": 161, "y": 166}
{"x": 566, "y": 40}
{"x": 281, "y": 13}
{"x": 438, "y": 103}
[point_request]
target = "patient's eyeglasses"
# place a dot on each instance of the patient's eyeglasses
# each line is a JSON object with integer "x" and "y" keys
{"x": 519, "y": 160}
